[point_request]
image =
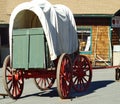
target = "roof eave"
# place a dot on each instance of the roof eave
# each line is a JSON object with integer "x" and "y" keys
{"x": 94, "y": 15}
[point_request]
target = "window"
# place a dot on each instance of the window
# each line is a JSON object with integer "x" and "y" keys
{"x": 4, "y": 38}
{"x": 85, "y": 40}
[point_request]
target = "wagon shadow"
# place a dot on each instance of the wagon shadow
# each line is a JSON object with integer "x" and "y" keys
{"x": 95, "y": 85}
{"x": 48, "y": 93}
{"x": 53, "y": 91}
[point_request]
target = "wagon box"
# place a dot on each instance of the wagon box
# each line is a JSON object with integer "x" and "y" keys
{"x": 28, "y": 48}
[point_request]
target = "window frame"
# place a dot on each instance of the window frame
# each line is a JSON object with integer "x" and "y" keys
{"x": 79, "y": 28}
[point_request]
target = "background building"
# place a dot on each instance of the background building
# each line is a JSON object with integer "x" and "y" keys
{"x": 93, "y": 18}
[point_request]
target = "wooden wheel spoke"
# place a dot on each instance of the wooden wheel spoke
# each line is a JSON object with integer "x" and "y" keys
{"x": 85, "y": 79}
{"x": 45, "y": 82}
{"x": 62, "y": 66}
{"x": 83, "y": 83}
{"x": 78, "y": 64}
{"x": 13, "y": 91}
{"x": 66, "y": 77}
{"x": 9, "y": 70}
{"x": 42, "y": 82}
{"x": 87, "y": 75}
{"x": 16, "y": 90}
{"x": 10, "y": 86}
{"x": 75, "y": 80}
{"x": 48, "y": 81}
{"x": 9, "y": 81}
{"x": 78, "y": 84}
{"x": 18, "y": 87}
{"x": 9, "y": 76}
{"x": 65, "y": 88}
{"x": 86, "y": 67}
{"x": 19, "y": 83}
{"x": 39, "y": 80}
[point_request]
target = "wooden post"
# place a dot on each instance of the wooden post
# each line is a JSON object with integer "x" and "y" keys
{"x": 117, "y": 74}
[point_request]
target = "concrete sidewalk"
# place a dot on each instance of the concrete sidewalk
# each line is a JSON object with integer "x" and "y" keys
{"x": 103, "y": 90}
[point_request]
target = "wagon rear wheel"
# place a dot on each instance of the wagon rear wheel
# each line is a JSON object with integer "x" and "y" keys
{"x": 64, "y": 76}
{"x": 44, "y": 83}
{"x": 13, "y": 80}
{"x": 82, "y": 73}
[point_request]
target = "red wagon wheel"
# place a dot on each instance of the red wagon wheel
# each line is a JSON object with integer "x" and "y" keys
{"x": 64, "y": 76}
{"x": 44, "y": 83}
{"x": 13, "y": 80}
{"x": 82, "y": 73}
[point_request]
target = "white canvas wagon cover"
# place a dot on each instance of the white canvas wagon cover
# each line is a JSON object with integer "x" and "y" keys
{"x": 57, "y": 22}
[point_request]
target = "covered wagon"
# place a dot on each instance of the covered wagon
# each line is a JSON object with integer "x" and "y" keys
{"x": 44, "y": 46}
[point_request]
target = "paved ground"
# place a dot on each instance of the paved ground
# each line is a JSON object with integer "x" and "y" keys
{"x": 103, "y": 90}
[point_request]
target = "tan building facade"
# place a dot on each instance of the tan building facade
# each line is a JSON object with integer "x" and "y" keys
{"x": 81, "y": 7}
{"x": 93, "y": 19}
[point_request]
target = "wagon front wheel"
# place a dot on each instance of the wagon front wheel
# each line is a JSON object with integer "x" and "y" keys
{"x": 64, "y": 76}
{"x": 82, "y": 73}
{"x": 12, "y": 79}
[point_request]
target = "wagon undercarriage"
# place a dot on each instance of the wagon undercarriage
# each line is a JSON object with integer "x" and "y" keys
{"x": 77, "y": 75}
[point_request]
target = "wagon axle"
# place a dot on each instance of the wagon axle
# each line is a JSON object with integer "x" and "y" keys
{"x": 41, "y": 73}
{"x": 26, "y": 74}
